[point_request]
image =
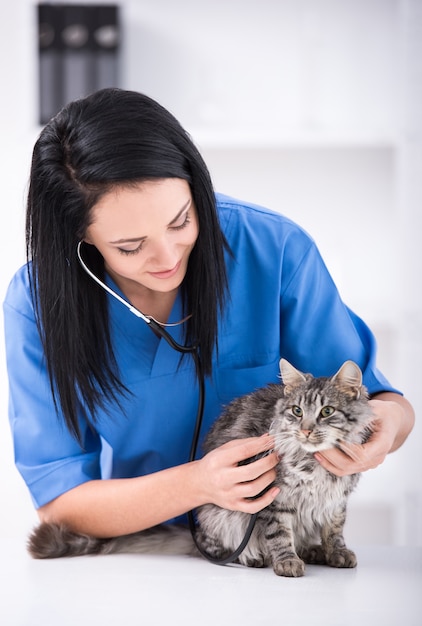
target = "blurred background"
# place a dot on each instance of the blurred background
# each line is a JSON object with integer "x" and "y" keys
{"x": 310, "y": 107}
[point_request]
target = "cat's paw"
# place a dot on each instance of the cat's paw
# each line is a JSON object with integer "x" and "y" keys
{"x": 342, "y": 558}
{"x": 257, "y": 562}
{"x": 314, "y": 555}
{"x": 289, "y": 567}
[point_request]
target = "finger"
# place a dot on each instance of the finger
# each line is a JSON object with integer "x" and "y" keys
{"x": 354, "y": 452}
{"x": 367, "y": 455}
{"x": 251, "y": 471}
{"x": 256, "y": 488}
{"x": 336, "y": 466}
{"x": 338, "y": 462}
{"x": 242, "y": 449}
{"x": 257, "y": 504}
{"x": 352, "y": 461}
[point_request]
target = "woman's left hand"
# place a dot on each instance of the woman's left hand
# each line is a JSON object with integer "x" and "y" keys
{"x": 354, "y": 458}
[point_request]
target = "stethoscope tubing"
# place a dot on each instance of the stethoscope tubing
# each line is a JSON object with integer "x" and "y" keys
{"x": 152, "y": 323}
{"x": 194, "y": 351}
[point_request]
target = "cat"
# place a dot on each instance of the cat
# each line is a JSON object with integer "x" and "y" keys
{"x": 305, "y": 522}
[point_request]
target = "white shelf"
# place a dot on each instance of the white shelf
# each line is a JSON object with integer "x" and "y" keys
{"x": 253, "y": 139}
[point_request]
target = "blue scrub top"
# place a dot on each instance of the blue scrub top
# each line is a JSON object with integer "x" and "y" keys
{"x": 283, "y": 303}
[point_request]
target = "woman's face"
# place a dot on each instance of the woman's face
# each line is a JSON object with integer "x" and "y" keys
{"x": 145, "y": 234}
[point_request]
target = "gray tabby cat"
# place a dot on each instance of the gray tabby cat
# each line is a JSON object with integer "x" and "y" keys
{"x": 305, "y": 521}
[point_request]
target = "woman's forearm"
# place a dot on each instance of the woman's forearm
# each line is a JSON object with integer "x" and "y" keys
{"x": 119, "y": 506}
{"x": 107, "y": 508}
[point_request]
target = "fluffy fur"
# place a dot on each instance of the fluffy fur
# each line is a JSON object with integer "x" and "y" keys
{"x": 305, "y": 522}
{"x": 50, "y": 541}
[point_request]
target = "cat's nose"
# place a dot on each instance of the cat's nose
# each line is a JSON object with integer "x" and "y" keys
{"x": 306, "y": 433}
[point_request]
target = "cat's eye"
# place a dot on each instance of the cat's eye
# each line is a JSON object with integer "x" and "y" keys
{"x": 297, "y": 411}
{"x": 326, "y": 411}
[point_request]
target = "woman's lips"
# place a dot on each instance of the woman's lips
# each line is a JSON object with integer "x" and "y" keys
{"x": 167, "y": 273}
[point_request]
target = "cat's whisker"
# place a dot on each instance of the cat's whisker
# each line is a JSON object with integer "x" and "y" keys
{"x": 280, "y": 439}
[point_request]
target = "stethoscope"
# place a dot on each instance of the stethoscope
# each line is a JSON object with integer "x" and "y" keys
{"x": 159, "y": 329}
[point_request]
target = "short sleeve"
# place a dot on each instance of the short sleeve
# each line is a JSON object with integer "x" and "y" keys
{"x": 284, "y": 301}
{"x": 48, "y": 457}
{"x": 319, "y": 331}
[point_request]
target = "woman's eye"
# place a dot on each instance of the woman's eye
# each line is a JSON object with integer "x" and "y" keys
{"x": 326, "y": 411}
{"x": 297, "y": 411}
{"x": 185, "y": 221}
{"x": 129, "y": 252}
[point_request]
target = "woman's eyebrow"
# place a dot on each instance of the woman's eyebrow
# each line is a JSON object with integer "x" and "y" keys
{"x": 128, "y": 240}
{"x": 138, "y": 239}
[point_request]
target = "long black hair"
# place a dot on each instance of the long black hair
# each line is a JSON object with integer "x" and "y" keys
{"x": 109, "y": 139}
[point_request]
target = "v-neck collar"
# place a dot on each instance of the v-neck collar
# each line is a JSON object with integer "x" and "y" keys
{"x": 154, "y": 352}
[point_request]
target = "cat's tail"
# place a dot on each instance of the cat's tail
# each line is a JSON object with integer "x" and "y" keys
{"x": 51, "y": 541}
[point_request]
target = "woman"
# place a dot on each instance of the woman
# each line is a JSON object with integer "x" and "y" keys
{"x": 103, "y": 410}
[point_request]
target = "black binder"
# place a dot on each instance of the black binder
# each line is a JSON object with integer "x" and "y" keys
{"x": 78, "y": 53}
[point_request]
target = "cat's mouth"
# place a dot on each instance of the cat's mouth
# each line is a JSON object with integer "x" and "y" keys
{"x": 313, "y": 447}
{"x": 310, "y": 442}
{"x": 313, "y": 444}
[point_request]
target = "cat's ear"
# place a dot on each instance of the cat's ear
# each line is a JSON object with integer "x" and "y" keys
{"x": 349, "y": 376}
{"x": 289, "y": 374}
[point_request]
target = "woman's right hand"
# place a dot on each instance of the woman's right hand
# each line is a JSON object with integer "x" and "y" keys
{"x": 230, "y": 485}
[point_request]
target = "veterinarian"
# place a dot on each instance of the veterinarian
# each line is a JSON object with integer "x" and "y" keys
{"x": 126, "y": 237}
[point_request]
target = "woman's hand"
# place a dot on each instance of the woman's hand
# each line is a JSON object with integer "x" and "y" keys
{"x": 230, "y": 485}
{"x": 387, "y": 426}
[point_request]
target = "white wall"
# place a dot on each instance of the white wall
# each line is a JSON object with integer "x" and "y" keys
{"x": 310, "y": 107}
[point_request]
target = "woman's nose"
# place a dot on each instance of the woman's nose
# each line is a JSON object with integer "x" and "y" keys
{"x": 164, "y": 255}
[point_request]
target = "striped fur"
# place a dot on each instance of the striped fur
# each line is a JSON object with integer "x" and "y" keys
{"x": 305, "y": 522}
{"x": 50, "y": 541}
